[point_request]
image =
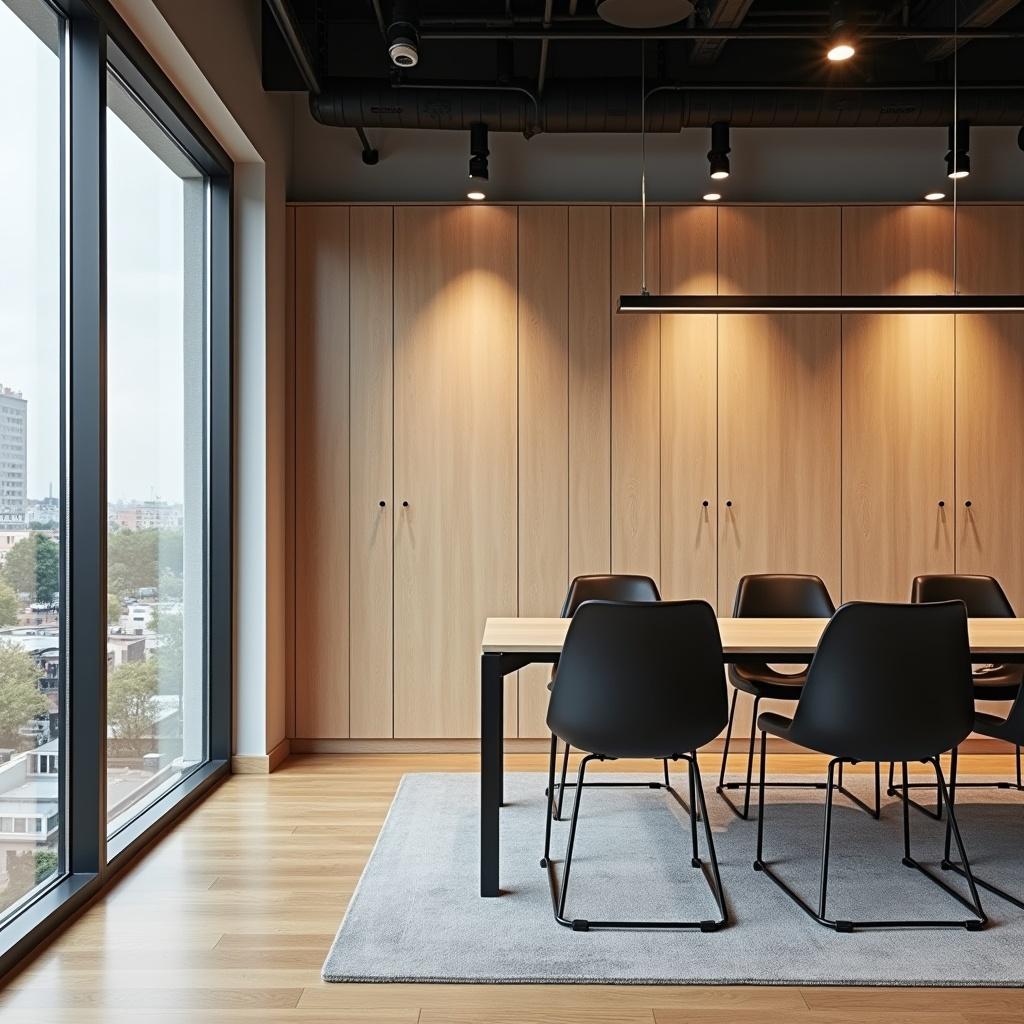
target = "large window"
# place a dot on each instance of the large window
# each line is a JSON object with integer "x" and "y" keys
{"x": 156, "y": 458}
{"x": 115, "y": 458}
{"x": 31, "y": 822}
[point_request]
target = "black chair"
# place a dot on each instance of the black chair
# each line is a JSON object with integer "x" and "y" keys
{"x": 1010, "y": 729}
{"x": 985, "y": 599}
{"x": 638, "y": 680}
{"x": 611, "y": 587}
{"x": 775, "y": 596}
{"x": 889, "y": 682}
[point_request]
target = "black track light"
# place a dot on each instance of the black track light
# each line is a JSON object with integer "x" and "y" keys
{"x": 478, "y": 153}
{"x": 958, "y": 160}
{"x": 718, "y": 155}
{"x": 840, "y": 31}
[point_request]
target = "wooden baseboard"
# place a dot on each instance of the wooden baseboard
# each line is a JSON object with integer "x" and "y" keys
{"x": 977, "y": 745}
{"x": 261, "y": 764}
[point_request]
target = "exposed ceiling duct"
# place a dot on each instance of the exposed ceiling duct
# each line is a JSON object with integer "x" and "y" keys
{"x": 614, "y": 106}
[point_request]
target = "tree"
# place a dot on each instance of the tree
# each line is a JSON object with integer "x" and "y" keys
{"x": 33, "y": 567}
{"x": 113, "y": 609}
{"x": 136, "y": 558}
{"x": 20, "y": 699}
{"x": 9, "y": 605}
{"x": 131, "y": 705}
{"x": 46, "y": 865}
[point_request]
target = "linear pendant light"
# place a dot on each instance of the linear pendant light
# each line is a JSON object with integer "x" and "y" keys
{"x": 821, "y": 304}
{"x": 955, "y": 303}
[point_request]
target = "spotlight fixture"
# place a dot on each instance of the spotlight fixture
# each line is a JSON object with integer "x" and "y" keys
{"x": 478, "y": 152}
{"x": 934, "y": 197}
{"x": 476, "y": 195}
{"x": 840, "y": 32}
{"x": 712, "y": 197}
{"x": 958, "y": 160}
{"x": 403, "y": 35}
{"x": 718, "y": 155}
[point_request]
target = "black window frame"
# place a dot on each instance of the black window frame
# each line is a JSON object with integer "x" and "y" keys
{"x": 97, "y": 38}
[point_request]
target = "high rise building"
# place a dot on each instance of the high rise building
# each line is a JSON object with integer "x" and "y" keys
{"x": 13, "y": 457}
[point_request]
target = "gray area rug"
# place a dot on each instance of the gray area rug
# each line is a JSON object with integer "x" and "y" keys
{"x": 416, "y": 915}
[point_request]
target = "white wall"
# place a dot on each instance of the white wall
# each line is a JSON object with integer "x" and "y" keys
{"x": 211, "y": 51}
{"x": 768, "y": 164}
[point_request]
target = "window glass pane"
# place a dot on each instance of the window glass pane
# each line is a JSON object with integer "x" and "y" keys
{"x": 156, "y": 459}
{"x": 30, "y": 452}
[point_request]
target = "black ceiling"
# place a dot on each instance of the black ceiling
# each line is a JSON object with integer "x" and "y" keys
{"x": 345, "y": 41}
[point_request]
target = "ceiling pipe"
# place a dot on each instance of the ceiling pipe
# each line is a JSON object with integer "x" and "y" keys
{"x": 295, "y": 41}
{"x": 570, "y": 34}
{"x": 614, "y": 106}
{"x": 542, "y": 70}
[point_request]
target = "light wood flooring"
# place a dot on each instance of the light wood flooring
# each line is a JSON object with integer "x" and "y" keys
{"x": 229, "y": 916}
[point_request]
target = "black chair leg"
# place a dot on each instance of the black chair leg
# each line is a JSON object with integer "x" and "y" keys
{"x": 560, "y": 890}
{"x": 974, "y": 904}
{"x": 550, "y": 801}
{"x": 695, "y": 858}
{"x": 748, "y": 785}
{"x": 561, "y": 784}
{"x": 728, "y": 737}
{"x": 904, "y": 793}
{"x": 950, "y": 865}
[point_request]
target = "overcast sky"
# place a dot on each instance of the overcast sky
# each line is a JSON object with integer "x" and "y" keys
{"x": 144, "y": 268}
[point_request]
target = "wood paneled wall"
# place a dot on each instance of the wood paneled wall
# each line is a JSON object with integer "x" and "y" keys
{"x": 474, "y": 425}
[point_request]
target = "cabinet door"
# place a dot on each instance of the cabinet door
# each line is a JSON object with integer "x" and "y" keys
{"x": 455, "y": 459}
{"x": 779, "y": 448}
{"x": 321, "y": 472}
{"x": 371, "y": 506}
{"x": 898, "y": 456}
{"x": 990, "y": 449}
{"x": 689, "y": 409}
{"x": 636, "y": 401}
{"x": 543, "y": 435}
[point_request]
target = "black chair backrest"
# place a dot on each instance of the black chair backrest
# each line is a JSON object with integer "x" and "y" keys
{"x": 782, "y": 596}
{"x": 612, "y": 587}
{"x": 1014, "y": 728}
{"x": 889, "y": 682}
{"x": 984, "y": 597}
{"x": 640, "y": 679}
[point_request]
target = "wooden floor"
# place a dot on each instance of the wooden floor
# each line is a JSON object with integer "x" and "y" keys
{"x": 230, "y": 915}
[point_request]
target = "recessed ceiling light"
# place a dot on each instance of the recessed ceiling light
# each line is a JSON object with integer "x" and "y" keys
{"x": 476, "y": 196}
{"x": 934, "y": 197}
{"x": 844, "y": 51}
{"x": 712, "y": 197}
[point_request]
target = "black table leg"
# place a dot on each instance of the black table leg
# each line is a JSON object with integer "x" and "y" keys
{"x": 492, "y": 727}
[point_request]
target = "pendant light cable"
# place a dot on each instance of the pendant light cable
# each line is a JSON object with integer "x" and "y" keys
{"x": 643, "y": 169}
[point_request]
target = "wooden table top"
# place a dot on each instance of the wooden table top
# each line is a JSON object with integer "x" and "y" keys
{"x": 989, "y": 637}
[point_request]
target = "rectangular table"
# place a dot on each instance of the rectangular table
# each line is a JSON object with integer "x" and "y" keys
{"x": 509, "y": 644}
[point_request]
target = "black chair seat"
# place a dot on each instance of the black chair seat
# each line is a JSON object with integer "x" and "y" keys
{"x": 996, "y": 727}
{"x": 764, "y": 681}
{"x": 1001, "y": 683}
{"x": 775, "y": 724}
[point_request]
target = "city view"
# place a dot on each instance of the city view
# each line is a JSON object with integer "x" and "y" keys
{"x": 144, "y": 659}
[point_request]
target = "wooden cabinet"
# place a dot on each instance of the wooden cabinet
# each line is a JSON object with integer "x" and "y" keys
{"x": 469, "y": 361}
{"x": 589, "y": 390}
{"x": 990, "y": 449}
{"x": 689, "y": 410}
{"x": 898, "y": 453}
{"x": 371, "y": 497}
{"x": 321, "y": 472}
{"x": 455, "y": 458}
{"x": 778, "y": 448}
{"x": 635, "y": 402}
{"x": 778, "y": 250}
{"x": 897, "y": 250}
{"x": 543, "y": 434}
